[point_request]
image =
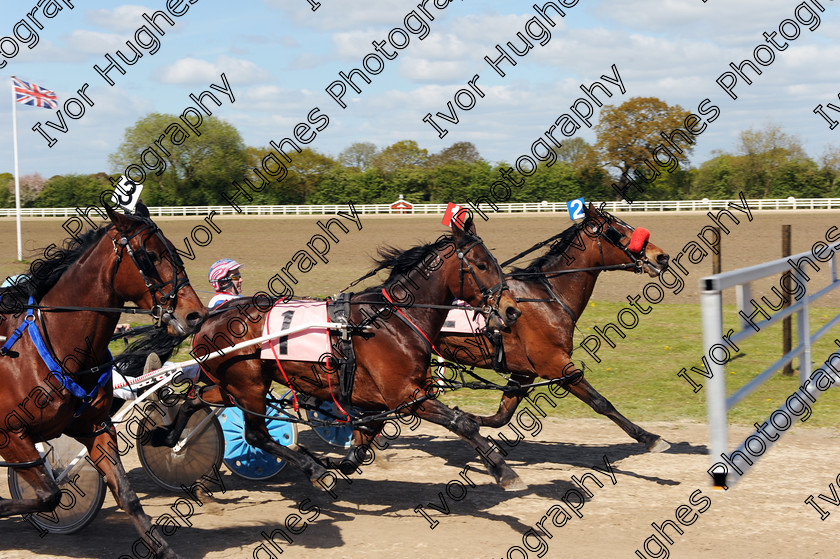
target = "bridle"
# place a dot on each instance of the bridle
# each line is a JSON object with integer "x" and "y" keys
{"x": 487, "y": 293}
{"x": 636, "y": 247}
{"x": 164, "y": 300}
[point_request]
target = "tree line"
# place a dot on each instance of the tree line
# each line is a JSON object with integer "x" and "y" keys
{"x": 767, "y": 163}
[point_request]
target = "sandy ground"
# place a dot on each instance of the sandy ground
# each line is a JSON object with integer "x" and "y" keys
{"x": 763, "y": 516}
{"x": 374, "y": 516}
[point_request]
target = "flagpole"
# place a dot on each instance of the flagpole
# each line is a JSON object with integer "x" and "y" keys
{"x": 17, "y": 174}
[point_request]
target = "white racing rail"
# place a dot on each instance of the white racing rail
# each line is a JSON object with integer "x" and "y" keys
{"x": 163, "y": 376}
{"x": 718, "y": 404}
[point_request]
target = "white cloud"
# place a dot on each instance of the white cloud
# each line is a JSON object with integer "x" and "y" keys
{"x": 122, "y": 18}
{"x": 332, "y": 15}
{"x": 433, "y": 71}
{"x": 191, "y": 71}
{"x": 94, "y": 42}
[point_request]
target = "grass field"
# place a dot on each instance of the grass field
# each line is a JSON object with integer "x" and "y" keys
{"x": 639, "y": 376}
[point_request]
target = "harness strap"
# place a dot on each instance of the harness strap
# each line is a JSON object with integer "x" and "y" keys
{"x": 532, "y": 249}
{"x": 339, "y": 311}
{"x": 411, "y": 323}
{"x": 24, "y": 465}
{"x": 557, "y": 299}
{"x": 295, "y": 404}
{"x": 46, "y": 356}
{"x": 4, "y": 351}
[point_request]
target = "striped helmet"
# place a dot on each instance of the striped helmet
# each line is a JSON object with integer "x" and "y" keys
{"x": 220, "y": 270}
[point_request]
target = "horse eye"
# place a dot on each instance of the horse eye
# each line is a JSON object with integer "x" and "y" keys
{"x": 153, "y": 257}
{"x": 481, "y": 266}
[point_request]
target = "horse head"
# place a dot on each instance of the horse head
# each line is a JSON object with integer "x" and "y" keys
{"x": 149, "y": 272}
{"x": 480, "y": 281}
{"x": 624, "y": 243}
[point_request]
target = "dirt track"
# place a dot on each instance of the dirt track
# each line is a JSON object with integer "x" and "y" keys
{"x": 374, "y": 516}
{"x": 764, "y": 516}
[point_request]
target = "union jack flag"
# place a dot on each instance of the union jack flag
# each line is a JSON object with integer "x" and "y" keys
{"x": 31, "y": 94}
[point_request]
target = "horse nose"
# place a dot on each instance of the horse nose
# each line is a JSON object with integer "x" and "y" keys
{"x": 194, "y": 320}
{"x": 662, "y": 260}
{"x": 511, "y": 314}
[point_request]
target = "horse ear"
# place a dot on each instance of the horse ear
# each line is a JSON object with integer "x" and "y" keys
{"x": 459, "y": 229}
{"x": 469, "y": 226}
{"x": 119, "y": 219}
{"x": 589, "y": 210}
{"x": 141, "y": 210}
{"x": 457, "y": 232}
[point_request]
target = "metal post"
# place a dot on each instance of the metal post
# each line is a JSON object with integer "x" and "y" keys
{"x": 711, "y": 309}
{"x": 803, "y": 328}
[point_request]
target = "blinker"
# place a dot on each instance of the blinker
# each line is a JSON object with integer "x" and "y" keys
{"x": 638, "y": 240}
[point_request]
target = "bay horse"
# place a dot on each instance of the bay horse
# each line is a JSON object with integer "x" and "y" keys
{"x": 552, "y": 300}
{"x": 127, "y": 259}
{"x": 392, "y": 359}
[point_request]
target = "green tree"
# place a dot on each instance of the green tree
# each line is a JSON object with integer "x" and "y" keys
{"x": 196, "y": 172}
{"x": 459, "y": 151}
{"x": 556, "y": 183}
{"x": 764, "y": 153}
{"x": 718, "y": 178}
{"x": 405, "y": 153}
{"x": 64, "y": 191}
{"x": 629, "y": 133}
{"x": 7, "y": 190}
{"x": 309, "y": 167}
{"x": 578, "y": 153}
{"x": 359, "y": 155}
{"x": 830, "y": 169}
{"x": 460, "y": 181}
{"x": 800, "y": 178}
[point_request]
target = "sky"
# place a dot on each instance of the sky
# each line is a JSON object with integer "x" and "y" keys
{"x": 280, "y": 56}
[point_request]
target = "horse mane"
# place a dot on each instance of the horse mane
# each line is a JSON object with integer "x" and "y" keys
{"x": 400, "y": 262}
{"x": 555, "y": 252}
{"x": 41, "y": 279}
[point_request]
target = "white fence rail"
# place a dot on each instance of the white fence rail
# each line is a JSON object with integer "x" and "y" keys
{"x": 420, "y": 209}
{"x": 718, "y": 404}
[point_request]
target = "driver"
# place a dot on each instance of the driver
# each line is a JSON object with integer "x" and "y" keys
{"x": 226, "y": 279}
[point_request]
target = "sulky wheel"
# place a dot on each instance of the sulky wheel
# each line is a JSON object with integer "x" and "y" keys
{"x": 247, "y": 461}
{"x": 199, "y": 450}
{"x": 337, "y": 434}
{"x": 82, "y": 489}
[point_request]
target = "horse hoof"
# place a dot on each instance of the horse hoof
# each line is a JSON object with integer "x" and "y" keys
{"x": 317, "y": 476}
{"x": 514, "y": 484}
{"x": 347, "y": 467}
{"x": 659, "y": 445}
{"x": 160, "y": 436}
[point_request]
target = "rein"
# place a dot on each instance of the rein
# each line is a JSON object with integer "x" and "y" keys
{"x": 281, "y": 405}
{"x": 40, "y": 337}
{"x": 51, "y": 308}
{"x": 142, "y": 261}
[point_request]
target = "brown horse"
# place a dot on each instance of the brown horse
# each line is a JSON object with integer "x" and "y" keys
{"x": 540, "y": 343}
{"x": 96, "y": 273}
{"x": 392, "y": 358}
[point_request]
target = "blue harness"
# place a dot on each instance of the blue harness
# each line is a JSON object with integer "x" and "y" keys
{"x": 50, "y": 362}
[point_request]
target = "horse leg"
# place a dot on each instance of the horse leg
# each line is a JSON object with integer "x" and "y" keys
{"x": 257, "y": 435}
{"x": 585, "y": 392}
{"x": 169, "y": 435}
{"x": 104, "y": 455}
{"x": 47, "y": 495}
{"x": 507, "y": 406}
{"x": 466, "y": 427}
{"x": 357, "y": 453}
